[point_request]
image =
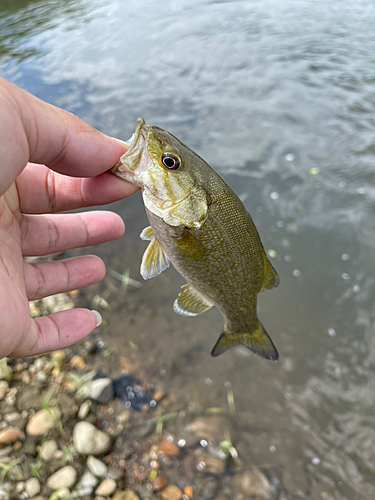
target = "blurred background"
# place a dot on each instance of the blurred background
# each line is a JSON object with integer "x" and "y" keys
{"x": 279, "y": 98}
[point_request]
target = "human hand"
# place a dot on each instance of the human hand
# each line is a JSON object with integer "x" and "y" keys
{"x": 63, "y": 150}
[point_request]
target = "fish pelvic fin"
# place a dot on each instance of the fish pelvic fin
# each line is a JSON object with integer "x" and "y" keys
{"x": 154, "y": 260}
{"x": 271, "y": 278}
{"x": 147, "y": 234}
{"x": 190, "y": 302}
{"x": 257, "y": 341}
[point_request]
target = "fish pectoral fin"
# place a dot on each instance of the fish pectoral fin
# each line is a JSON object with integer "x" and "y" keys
{"x": 190, "y": 212}
{"x": 190, "y": 302}
{"x": 257, "y": 341}
{"x": 147, "y": 234}
{"x": 154, "y": 260}
{"x": 271, "y": 278}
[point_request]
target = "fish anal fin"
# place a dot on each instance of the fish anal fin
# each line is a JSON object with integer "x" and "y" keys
{"x": 154, "y": 260}
{"x": 257, "y": 341}
{"x": 190, "y": 302}
{"x": 147, "y": 234}
{"x": 271, "y": 278}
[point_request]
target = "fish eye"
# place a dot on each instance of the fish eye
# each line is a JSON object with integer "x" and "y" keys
{"x": 171, "y": 161}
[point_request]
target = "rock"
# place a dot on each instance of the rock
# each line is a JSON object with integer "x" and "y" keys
{"x": 84, "y": 409}
{"x": 96, "y": 467}
{"x": 39, "y": 498}
{"x": 255, "y": 483}
{"x": 171, "y": 493}
{"x": 10, "y": 434}
{"x": 78, "y": 363}
{"x": 58, "y": 357}
{"x": 126, "y": 495}
{"x": 123, "y": 417}
{"x": 101, "y": 390}
{"x": 210, "y": 464}
{"x": 42, "y": 422}
{"x": 169, "y": 448}
{"x": 115, "y": 473}
{"x": 106, "y": 488}
{"x": 68, "y": 405}
{"x": 188, "y": 490}
{"x": 88, "y": 440}
{"x": 48, "y": 450}
{"x": 29, "y": 397}
{"x": 86, "y": 484}
{"x": 210, "y": 428}
{"x": 159, "y": 483}
{"x": 32, "y": 487}
{"x": 65, "y": 477}
{"x": 4, "y": 386}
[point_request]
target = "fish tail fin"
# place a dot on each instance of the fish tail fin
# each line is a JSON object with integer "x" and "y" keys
{"x": 257, "y": 341}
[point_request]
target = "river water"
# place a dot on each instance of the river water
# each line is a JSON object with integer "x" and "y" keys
{"x": 279, "y": 97}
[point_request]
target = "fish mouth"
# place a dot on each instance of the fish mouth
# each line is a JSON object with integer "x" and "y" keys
{"x": 129, "y": 161}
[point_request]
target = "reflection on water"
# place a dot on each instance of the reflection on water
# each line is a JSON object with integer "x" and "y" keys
{"x": 279, "y": 98}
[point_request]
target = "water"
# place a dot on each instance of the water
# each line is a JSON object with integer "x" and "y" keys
{"x": 279, "y": 97}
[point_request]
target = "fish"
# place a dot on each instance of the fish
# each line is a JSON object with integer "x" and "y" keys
{"x": 199, "y": 224}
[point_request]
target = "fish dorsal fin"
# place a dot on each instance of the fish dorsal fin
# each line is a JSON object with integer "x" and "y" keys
{"x": 147, "y": 234}
{"x": 271, "y": 278}
{"x": 190, "y": 302}
{"x": 257, "y": 341}
{"x": 154, "y": 260}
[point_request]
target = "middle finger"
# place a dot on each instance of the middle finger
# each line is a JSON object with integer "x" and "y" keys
{"x": 46, "y": 234}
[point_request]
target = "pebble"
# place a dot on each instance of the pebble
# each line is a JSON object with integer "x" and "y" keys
{"x": 77, "y": 362}
{"x": 171, "y": 492}
{"x": 254, "y": 483}
{"x": 115, "y": 473}
{"x": 209, "y": 464}
{"x": 209, "y": 428}
{"x": 86, "y": 484}
{"x": 102, "y": 390}
{"x": 188, "y": 490}
{"x": 42, "y": 422}
{"x": 4, "y": 386}
{"x": 126, "y": 495}
{"x": 58, "y": 357}
{"x": 96, "y": 467}
{"x": 106, "y": 488}
{"x": 159, "y": 483}
{"x": 32, "y": 487}
{"x": 88, "y": 440}
{"x": 84, "y": 409}
{"x": 124, "y": 417}
{"x": 169, "y": 448}
{"x": 65, "y": 477}
{"x": 10, "y": 434}
{"x": 48, "y": 449}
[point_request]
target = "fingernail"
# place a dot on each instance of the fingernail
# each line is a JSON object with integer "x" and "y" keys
{"x": 98, "y": 317}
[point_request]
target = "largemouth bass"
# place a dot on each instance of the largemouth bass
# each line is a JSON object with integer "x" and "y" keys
{"x": 199, "y": 225}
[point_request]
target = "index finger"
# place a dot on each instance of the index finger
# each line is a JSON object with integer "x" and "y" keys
{"x": 33, "y": 130}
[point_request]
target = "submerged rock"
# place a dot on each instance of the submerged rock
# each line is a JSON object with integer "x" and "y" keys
{"x": 32, "y": 487}
{"x": 10, "y": 434}
{"x": 88, "y": 440}
{"x": 101, "y": 390}
{"x": 126, "y": 495}
{"x": 96, "y": 467}
{"x": 128, "y": 389}
{"x": 210, "y": 428}
{"x": 254, "y": 483}
{"x": 106, "y": 488}
{"x": 171, "y": 492}
{"x": 48, "y": 449}
{"x": 65, "y": 477}
{"x": 42, "y": 422}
